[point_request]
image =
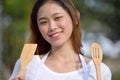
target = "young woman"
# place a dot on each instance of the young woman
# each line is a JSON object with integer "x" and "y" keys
{"x": 55, "y": 28}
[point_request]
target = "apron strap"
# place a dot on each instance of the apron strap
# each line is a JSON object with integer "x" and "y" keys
{"x": 85, "y": 69}
{"x": 39, "y": 67}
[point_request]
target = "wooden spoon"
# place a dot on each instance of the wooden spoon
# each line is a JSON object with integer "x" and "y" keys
{"x": 26, "y": 56}
{"x": 96, "y": 54}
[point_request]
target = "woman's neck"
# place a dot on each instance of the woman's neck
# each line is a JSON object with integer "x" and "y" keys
{"x": 64, "y": 53}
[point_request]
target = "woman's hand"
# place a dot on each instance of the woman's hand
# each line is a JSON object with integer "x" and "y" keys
{"x": 18, "y": 78}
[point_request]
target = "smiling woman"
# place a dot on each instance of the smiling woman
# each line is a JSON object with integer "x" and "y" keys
{"x": 66, "y": 6}
{"x": 55, "y": 28}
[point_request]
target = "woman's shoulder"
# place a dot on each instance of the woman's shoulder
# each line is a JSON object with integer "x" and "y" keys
{"x": 36, "y": 59}
{"x": 90, "y": 62}
{"x": 104, "y": 67}
{"x": 33, "y": 63}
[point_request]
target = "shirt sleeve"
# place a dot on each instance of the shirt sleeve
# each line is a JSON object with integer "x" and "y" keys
{"x": 15, "y": 70}
{"x": 108, "y": 74}
{"x": 105, "y": 72}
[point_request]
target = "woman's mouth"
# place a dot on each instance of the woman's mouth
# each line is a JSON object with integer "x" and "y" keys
{"x": 56, "y": 35}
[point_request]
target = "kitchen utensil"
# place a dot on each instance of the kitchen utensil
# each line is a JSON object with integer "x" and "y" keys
{"x": 97, "y": 55}
{"x": 26, "y": 56}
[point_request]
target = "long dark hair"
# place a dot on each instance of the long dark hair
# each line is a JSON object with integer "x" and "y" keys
{"x": 36, "y": 37}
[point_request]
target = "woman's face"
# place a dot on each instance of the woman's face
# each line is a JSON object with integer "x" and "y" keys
{"x": 55, "y": 24}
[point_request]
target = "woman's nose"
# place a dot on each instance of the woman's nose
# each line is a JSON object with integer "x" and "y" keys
{"x": 52, "y": 26}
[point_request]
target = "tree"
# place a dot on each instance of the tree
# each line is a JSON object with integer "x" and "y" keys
{"x": 105, "y": 12}
{"x": 16, "y": 21}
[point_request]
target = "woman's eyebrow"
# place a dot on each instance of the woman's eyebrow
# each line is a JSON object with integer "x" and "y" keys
{"x": 42, "y": 18}
{"x": 56, "y": 14}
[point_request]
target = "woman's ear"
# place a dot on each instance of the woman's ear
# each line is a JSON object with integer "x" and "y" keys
{"x": 78, "y": 14}
{"x": 78, "y": 17}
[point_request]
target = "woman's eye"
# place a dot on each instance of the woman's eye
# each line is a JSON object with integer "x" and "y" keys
{"x": 43, "y": 22}
{"x": 58, "y": 18}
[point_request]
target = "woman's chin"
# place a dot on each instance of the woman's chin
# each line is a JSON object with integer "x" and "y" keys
{"x": 56, "y": 45}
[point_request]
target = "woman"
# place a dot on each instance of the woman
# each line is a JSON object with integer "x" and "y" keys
{"x": 55, "y": 28}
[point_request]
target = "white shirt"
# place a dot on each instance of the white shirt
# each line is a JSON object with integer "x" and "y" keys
{"x": 37, "y": 70}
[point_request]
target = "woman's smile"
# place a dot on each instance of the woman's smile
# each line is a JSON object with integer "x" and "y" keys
{"x": 55, "y": 35}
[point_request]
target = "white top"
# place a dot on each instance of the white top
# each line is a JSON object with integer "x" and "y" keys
{"x": 37, "y": 70}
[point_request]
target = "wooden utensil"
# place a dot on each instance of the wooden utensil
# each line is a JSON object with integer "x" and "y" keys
{"x": 96, "y": 54}
{"x": 26, "y": 56}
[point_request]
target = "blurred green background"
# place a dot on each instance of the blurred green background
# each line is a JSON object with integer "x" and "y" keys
{"x": 100, "y": 20}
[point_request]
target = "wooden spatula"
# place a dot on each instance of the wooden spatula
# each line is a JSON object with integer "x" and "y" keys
{"x": 96, "y": 54}
{"x": 26, "y": 56}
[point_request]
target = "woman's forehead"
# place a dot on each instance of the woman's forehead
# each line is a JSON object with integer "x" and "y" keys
{"x": 51, "y": 9}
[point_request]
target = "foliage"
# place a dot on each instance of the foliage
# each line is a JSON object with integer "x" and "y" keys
{"x": 17, "y": 12}
{"x": 116, "y": 76}
{"x": 105, "y": 12}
